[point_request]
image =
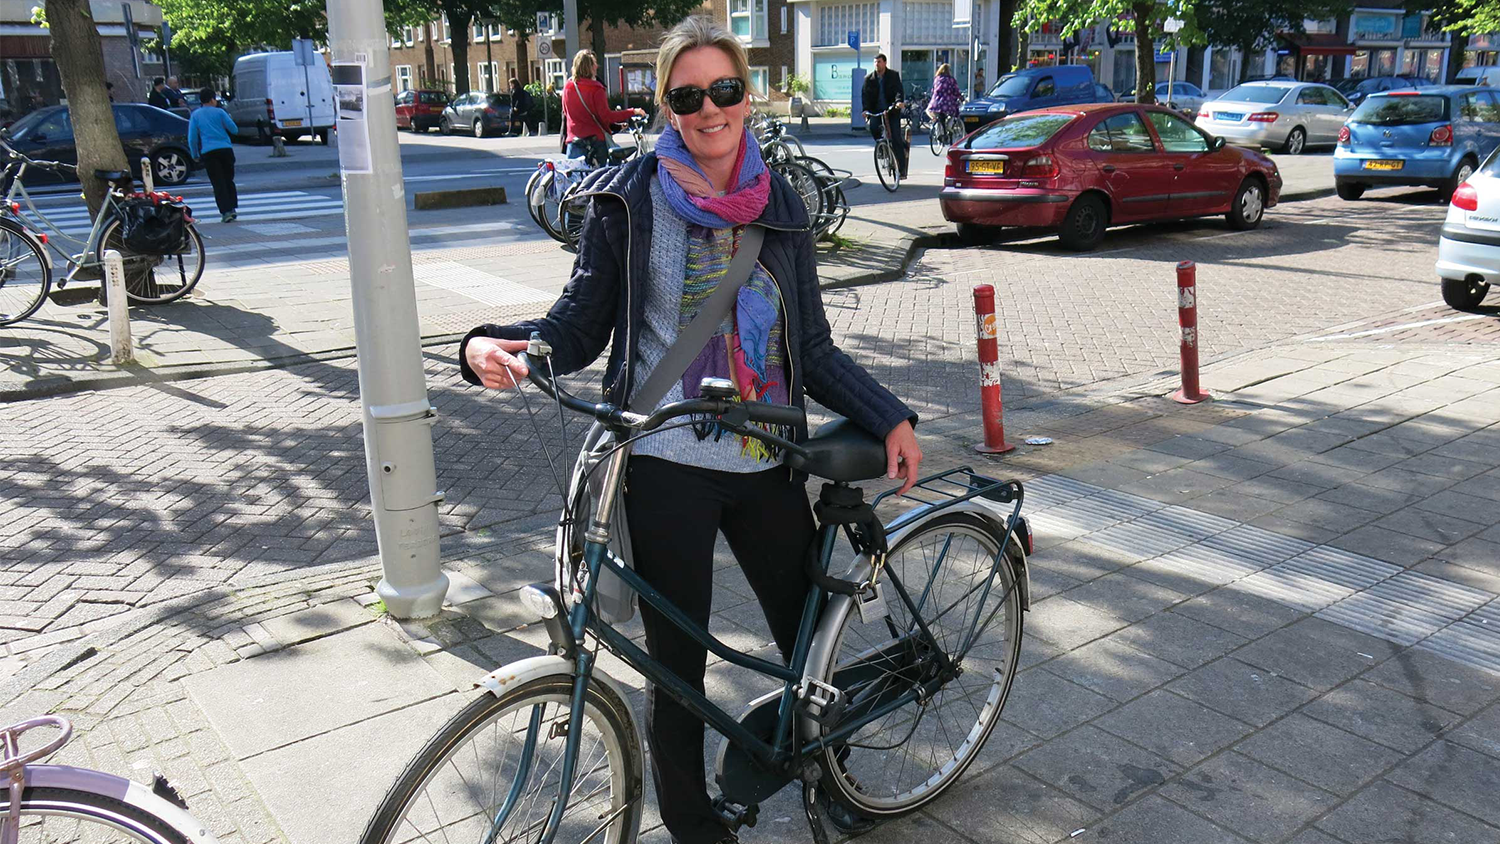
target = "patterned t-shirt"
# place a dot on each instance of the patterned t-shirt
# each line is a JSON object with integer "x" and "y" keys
{"x": 687, "y": 263}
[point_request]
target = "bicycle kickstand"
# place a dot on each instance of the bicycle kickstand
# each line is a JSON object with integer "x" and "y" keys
{"x": 810, "y": 806}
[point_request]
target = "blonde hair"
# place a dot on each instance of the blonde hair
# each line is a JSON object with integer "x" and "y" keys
{"x": 694, "y": 32}
{"x": 945, "y": 70}
{"x": 584, "y": 60}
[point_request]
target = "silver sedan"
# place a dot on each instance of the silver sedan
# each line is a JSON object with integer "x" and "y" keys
{"x": 1289, "y": 116}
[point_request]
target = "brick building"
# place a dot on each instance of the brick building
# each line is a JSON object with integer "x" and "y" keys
{"x": 28, "y": 75}
{"x": 496, "y": 54}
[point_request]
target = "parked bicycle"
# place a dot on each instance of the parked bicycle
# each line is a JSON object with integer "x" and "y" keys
{"x": 61, "y": 803}
{"x": 776, "y": 143}
{"x": 904, "y": 658}
{"x": 550, "y": 190}
{"x": 887, "y": 166}
{"x": 28, "y": 240}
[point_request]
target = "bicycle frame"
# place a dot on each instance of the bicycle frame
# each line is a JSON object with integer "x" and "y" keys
{"x": 89, "y": 256}
{"x": 783, "y": 753}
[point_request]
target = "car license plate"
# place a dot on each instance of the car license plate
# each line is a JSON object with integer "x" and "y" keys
{"x": 1228, "y": 116}
{"x": 971, "y": 121}
{"x": 291, "y": 123}
{"x": 993, "y": 168}
{"x": 1382, "y": 164}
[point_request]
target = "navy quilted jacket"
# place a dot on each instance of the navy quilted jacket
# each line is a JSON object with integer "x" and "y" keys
{"x": 604, "y": 301}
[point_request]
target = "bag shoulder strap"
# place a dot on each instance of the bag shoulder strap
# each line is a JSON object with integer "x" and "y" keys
{"x": 692, "y": 339}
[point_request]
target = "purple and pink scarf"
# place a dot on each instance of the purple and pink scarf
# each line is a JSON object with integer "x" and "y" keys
{"x": 692, "y": 195}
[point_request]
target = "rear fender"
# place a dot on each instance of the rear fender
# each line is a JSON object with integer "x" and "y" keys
{"x": 821, "y": 654}
{"x": 126, "y": 791}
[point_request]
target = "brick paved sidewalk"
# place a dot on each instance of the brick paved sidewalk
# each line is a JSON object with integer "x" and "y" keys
{"x": 1270, "y": 618}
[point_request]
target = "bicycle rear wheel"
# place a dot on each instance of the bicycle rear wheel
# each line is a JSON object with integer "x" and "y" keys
{"x": 897, "y": 763}
{"x": 570, "y": 217}
{"x": 156, "y": 279}
{"x": 493, "y": 772}
{"x": 885, "y": 165}
{"x": 25, "y": 277}
{"x": 51, "y": 815}
{"x": 806, "y": 184}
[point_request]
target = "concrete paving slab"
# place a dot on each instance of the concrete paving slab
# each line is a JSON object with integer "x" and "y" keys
{"x": 317, "y": 622}
{"x": 1242, "y": 691}
{"x": 1241, "y": 794}
{"x": 1161, "y": 822}
{"x": 1173, "y": 727}
{"x": 1386, "y": 812}
{"x": 324, "y": 788}
{"x": 341, "y": 680}
{"x": 1097, "y": 768}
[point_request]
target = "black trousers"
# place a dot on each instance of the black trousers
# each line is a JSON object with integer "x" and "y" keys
{"x": 676, "y": 512}
{"x": 220, "y": 166}
{"x": 898, "y": 138}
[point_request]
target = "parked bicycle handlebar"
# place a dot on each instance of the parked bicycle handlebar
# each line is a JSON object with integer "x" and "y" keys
{"x": 21, "y": 157}
{"x": 731, "y": 413}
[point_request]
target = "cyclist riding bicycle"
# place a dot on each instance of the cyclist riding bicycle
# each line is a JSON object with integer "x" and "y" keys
{"x": 654, "y": 247}
{"x": 881, "y": 96}
{"x": 945, "y": 95}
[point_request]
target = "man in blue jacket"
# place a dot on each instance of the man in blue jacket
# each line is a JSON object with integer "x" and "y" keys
{"x": 210, "y": 131}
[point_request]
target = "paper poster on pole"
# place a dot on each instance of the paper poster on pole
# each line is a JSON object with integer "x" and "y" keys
{"x": 353, "y": 125}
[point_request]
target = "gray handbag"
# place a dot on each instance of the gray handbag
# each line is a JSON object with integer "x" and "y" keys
{"x": 615, "y": 601}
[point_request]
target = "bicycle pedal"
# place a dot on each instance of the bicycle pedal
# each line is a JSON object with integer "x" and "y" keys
{"x": 820, "y": 701}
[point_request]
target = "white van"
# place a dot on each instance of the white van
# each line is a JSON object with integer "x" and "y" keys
{"x": 1488, "y": 76}
{"x": 273, "y": 95}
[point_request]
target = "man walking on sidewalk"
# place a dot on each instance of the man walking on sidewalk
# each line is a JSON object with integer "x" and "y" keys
{"x": 209, "y": 132}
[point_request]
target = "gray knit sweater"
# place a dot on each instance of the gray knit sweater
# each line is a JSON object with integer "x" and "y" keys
{"x": 669, "y": 253}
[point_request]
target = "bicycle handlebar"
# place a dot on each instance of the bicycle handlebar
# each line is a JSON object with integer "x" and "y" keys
{"x": 733, "y": 414}
{"x": 17, "y": 155}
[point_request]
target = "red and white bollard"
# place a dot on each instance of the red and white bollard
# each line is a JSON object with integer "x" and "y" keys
{"x": 1187, "y": 317}
{"x": 989, "y": 372}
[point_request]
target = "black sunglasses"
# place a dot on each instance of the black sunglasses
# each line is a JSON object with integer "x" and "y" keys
{"x": 688, "y": 99}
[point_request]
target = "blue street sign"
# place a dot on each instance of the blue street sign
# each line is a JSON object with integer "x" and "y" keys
{"x": 854, "y": 40}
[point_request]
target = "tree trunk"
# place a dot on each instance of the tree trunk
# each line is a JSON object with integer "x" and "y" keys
{"x": 428, "y": 54}
{"x": 523, "y": 63}
{"x": 1004, "y": 45}
{"x": 1018, "y": 61}
{"x": 1457, "y": 44}
{"x": 80, "y": 64}
{"x": 1145, "y": 55}
{"x": 597, "y": 44}
{"x": 459, "y": 24}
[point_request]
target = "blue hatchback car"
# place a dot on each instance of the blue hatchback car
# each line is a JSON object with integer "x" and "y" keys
{"x": 1033, "y": 88}
{"x": 1433, "y": 137}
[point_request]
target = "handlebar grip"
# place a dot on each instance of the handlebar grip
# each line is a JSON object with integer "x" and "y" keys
{"x": 775, "y": 414}
{"x": 534, "y": 374}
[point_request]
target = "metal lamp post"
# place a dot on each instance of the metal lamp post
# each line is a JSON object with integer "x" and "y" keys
{"x": 392, "y": 385}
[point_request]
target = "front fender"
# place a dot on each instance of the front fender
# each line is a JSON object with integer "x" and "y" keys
{"x": 122, "y": 789}
{"x": 524, "y": 671}
{"x": 821, "y": 654}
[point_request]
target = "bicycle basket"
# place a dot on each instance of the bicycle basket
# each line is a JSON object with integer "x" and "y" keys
{"x": 614, "y": 600}
{"x": 154, "y": 227}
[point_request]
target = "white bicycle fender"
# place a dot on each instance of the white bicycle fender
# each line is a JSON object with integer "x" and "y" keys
{"x": 524, "y": 671}
{"x": 125, "y": 790}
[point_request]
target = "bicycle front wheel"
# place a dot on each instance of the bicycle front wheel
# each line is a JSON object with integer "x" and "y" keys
{"x": 25, "y": 277}
{"x": 937, "y": 138}
{"x": 805, "y": 183}
{"x": 493, "y": 773}
{"x": 156, "y": 279}
{"x": 899, "y": 762}
{"x": 50, "y": 815}
{"x": 885, "y": 166}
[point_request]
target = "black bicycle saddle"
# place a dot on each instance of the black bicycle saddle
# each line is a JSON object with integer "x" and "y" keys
{"x": 842, "y": 451}
{"x": 111, "y": 176}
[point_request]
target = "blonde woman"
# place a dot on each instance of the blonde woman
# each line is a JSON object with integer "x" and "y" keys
{"x": 654, "y": 246}
{"x": 587, "y": 116}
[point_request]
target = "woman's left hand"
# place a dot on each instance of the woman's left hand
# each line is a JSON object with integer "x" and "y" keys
{"x": 903, "y": 456}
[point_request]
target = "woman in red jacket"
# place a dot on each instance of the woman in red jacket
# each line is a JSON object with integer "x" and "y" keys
{"x": 586, "y": 112}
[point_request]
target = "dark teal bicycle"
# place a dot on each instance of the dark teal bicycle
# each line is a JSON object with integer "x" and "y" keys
{"x": 903, "y": 661}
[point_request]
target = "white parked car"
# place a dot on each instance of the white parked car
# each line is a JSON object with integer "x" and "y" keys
{"x": 1182, "y": 96}
{"x": 1288, "y": 116}
{"x": 1469, "y": 247}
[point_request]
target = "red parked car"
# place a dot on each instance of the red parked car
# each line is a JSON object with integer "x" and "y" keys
{"x": 1080, "y": 169}
{"x": 420, "y": 110}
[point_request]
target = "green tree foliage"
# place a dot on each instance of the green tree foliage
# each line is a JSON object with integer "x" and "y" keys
{"x": 1147, "y": 19}
{"x": 1461, "y": 18}
{"x": 1252, "y": 25}
{"x": 215, "y": 32}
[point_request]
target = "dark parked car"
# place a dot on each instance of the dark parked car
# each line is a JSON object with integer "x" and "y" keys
{"x": 146, "y": 131}
{"x": 1357, "y": 88}
{"x": 1080, "y": 169}
{"x": 420, "y": 110}
{"x": 483, "y": 114}
{"x": 1037, "y": 87}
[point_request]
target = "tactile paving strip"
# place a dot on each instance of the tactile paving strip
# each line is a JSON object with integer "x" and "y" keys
{"x": 1177, "y": 545}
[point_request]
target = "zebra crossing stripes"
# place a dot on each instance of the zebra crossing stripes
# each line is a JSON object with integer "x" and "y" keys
{"x": 73, "y": 218}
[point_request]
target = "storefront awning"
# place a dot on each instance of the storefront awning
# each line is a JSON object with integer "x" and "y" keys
{"x": 1319, "y": 44}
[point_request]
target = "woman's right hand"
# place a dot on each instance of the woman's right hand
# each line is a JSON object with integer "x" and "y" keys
{"x": 495, "y": 363}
